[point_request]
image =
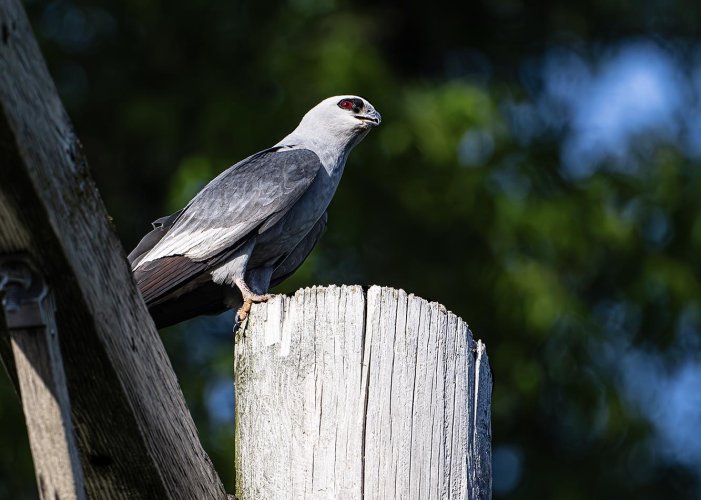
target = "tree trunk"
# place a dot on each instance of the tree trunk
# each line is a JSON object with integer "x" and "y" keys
{"x": 342, "y": 394}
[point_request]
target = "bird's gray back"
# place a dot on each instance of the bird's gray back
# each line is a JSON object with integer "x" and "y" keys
{"x": 254, "y": 193}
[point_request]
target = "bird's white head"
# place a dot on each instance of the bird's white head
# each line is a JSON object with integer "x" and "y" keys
{"x": 343, "y": 120}
{"x": 344, "y": 112}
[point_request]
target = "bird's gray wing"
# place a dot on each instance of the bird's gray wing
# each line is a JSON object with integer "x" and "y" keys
{"x": 300, "y": 253}
{"x": 208, "y": 298}
{"x": 160, "y": 228}
{"x": 253, "y": 193}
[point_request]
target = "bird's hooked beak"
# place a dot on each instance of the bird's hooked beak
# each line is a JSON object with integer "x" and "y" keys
{"x": 371, "y": 117}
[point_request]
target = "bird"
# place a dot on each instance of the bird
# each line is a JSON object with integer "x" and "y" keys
{"x": 254, "y": 224}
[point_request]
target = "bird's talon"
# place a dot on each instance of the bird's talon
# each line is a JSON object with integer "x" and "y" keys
{"x": 243, "y": 311}
{"x": 256, "y": 299}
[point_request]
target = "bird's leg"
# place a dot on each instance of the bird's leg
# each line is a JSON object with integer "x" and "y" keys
{"x": 249, "y": 298}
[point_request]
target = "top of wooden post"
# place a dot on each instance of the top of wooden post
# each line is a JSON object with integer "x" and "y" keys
{"x": 343, "y": 393}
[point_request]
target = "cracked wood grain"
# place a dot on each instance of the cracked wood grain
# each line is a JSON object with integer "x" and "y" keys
{"x": 346, "y": 394}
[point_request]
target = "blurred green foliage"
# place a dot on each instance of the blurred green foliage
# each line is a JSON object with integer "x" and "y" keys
{"x": 559, "y": 276}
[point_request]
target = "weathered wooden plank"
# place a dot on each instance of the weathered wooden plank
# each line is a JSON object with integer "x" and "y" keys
{"x": 342, "y": 394}
{"x": 134, "y": 432}
{"x": 47, "y": 411}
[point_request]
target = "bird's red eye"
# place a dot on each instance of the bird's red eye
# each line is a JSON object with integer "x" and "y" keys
{"x": 346, "y": 104}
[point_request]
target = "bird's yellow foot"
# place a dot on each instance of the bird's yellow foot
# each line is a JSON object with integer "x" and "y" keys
{"x": 248, "y": 301}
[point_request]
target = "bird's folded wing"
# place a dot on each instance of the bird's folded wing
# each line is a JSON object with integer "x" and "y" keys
{"x": 160, "y": 228}
{"x": 300, "y": 253}
{"x": 224, "y": 214}
{"x": 157, "y": 278}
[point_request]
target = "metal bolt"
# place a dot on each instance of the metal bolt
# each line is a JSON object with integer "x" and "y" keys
{"x": 14, "y": 281}
{"x": 23, "y": 292}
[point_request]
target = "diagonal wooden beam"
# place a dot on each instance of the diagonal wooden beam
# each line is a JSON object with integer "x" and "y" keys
{"x": 135, "y": 435}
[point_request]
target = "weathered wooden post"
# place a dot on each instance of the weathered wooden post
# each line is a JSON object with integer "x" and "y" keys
{"x": 345, "y": 394}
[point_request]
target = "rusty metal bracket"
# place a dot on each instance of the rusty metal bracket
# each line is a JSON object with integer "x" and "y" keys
{"x": 24, "y": 293}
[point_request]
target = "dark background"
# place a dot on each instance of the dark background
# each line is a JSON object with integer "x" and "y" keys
{"x": 537, "y": 171}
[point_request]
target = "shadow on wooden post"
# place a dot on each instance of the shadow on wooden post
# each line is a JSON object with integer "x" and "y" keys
{"x": 348, "y": 395}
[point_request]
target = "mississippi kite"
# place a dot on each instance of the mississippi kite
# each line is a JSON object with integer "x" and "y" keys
{"x": 254, "y": 224}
